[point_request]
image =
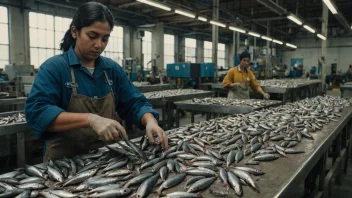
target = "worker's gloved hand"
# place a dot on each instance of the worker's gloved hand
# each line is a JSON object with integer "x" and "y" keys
{"x": 266, "y": 96}
{"x": 152, "y": 128}
{"x": 107, "y": 129}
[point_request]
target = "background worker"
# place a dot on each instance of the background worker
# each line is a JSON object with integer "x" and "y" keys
{"x": 239, "y": 79}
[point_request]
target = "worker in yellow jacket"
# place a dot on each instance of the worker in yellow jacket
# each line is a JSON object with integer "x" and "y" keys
{"x": 239, "y": 79}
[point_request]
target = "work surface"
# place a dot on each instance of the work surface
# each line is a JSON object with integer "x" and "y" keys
{"x": 224, "y": 105}
{"x": 283, "y": 175}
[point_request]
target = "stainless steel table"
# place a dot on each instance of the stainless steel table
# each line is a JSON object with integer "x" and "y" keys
{"x": 217, "y": 109}
{"x": 156, "y": 87}
{"x": 346, "y": 90}
{"x": 12, "y": 104}
{"x": 283, "y": 177}
{"x": 19, "y": 129}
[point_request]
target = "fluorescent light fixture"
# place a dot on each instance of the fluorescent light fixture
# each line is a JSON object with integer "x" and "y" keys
{"x": 330, "y": 6}
{"x": 321, "y": 36}
{"x": 294, "y": 19}
{"x": 184, "y": 13}
{"x": 267, "y": 38}
{"x": 237, "y": 29}
{"x": 155, "y": 4}
{"x": 290, "y": 45}
{"x": 309, "y": 29}
{"x": 278, "y": 42}
{"x": 253, "y": 34}
{"x": 217, "y": 23}
{"x": 202, "y": 19}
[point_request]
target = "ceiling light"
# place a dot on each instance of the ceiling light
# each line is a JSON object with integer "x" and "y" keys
{"x": 267, "y": 38}
{"x": 237, "y": 29}
{"x": 290, "y": 45}
{"x": 217, "y": 23}
{"x": 321, "y": 36}
{"x": 155, "y": 4}
{"x": 278, "y": 42}
{"x": 309, "y": 29}
{"x": 184, "y": 13}
{"x": 253, "y": 34}
{"x": 202, "y": 19}
{"x": 330, "y": 6}
{"x": 294, "y": 19}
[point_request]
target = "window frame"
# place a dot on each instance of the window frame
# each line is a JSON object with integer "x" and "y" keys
{"x": 4, "y": 62}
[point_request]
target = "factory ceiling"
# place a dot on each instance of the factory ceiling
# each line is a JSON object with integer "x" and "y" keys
{"x": 253, "y": 15}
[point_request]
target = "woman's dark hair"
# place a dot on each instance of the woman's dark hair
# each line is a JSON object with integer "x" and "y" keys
{"x": 85, "y": 16}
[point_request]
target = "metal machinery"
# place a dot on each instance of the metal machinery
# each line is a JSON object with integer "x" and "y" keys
{"x": 20, "y": 79}
{"x": 133, "y": 69}
{"x": 181, "y": 73}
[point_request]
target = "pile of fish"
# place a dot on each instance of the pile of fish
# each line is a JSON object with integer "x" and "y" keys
{"x": 217, "y": 157}
{"x": 172, "y": 92}
{"x": 12, "y": 119}
{"x": 234, "y": 102}
{"x": 285, "y": 83}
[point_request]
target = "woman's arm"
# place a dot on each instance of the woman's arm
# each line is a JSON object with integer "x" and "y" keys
{"x": 67, "y": 121}
{"x": 229, "y": 78}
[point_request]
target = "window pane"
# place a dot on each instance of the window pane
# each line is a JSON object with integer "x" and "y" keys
{"x": 33, "y": 21}
{"x": 66, "y": 24}
{"x": 49, "y": 53}
{"x": 58, "y": 24}
{"x": 49, "y": 19}
{"x": 34, "y": 57}
{"x": 42, "y": 36}
{"x": 58, "y": 52}
{"x": 42, "y": 56}
{"x": 4, "y": 34}
{"x": 3, "y": 15}
{"x": 58, "y": 37}
{"x": 3, "y": 63}
{"x": 49, "y": 39}
{"x": 33, "y": 34}
{"x": 4, "y": 52}
{"x": 41, "y": 21}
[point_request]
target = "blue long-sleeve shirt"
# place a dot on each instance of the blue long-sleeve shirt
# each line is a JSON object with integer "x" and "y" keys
{"x": 51, "y": 91}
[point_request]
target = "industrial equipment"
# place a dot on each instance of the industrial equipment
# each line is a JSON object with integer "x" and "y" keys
{"x": 20, "y": 79}
{"x": 184, "y": 72}
{"x": 133, "y": 69}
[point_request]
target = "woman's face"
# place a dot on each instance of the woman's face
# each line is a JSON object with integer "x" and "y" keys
{"x": 244, "y": 62}
{"x": 91, "y": 41}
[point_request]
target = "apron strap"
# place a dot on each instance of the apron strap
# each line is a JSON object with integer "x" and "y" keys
{"x": 74, "y": 86}
{"x": 107, "y": 80}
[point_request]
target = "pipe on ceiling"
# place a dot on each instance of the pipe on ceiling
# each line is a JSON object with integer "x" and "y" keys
{"x": 273, "y": 6}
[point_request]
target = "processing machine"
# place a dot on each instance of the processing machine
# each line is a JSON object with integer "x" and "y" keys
{"x": 181, "y": 73}
{"x": 20, "y": 79}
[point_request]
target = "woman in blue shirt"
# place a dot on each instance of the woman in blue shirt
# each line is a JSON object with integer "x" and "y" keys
{"x": 75, "y": 95}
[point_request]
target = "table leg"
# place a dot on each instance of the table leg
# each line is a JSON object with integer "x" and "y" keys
{"x": 322, "y": 163}
{"x": 192, "y": 117}
{"x": 338, "y": 154}
{"x": 169, "y": 115}
{"x": 163, "y": 116}
{"x": 177, "y": 117}
{"x": 284, "y": 98}
{"x": 21, "y": 155}
{"x": 208, "y": 116}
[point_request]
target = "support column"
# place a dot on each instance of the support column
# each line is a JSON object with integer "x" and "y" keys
{"x": 237, "y": 49}
{"x": 158, "y": 45}
{"x": 127, "y": 42}
{"x": 180, "y": 56}
{"x": 136, "y": 51}
{"x": 200, "y": 51}
{"x": 215, "y": 35}
{"x": 324, "y": 32}
{"x": 19, "y": 36}
{"x": 268, "y": 34}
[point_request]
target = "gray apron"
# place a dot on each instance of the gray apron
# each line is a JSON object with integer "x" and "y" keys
{"x": 240, "y": 92}
{"x": 78, "y": 141}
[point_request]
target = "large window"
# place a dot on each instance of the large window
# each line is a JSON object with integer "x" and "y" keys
{"x": 221, "y": 55}
{"x": 46, "y": 33}
{"x": 147, "y": 48}
{"x": 169, "y": 49}
{"x": 4, "y": 37}
{"x": 114, "y": 49}
{"x": 190, "y": 50}
{"x": 208, "y": 47}
{"x": 208, "y": 50}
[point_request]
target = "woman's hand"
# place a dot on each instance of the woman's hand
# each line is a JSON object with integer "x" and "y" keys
{"x": 152, "y": 128}
{"x": 107, "y": 129}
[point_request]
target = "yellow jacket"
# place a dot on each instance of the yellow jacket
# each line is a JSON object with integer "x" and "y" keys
{"x": 235, "y": 75}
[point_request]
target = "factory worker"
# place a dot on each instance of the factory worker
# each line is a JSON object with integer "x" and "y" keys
{"x": 239, "y": 79}
{"x": 75, "y": 95}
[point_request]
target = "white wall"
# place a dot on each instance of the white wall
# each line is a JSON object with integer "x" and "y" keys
{"x": 339, "y": 50}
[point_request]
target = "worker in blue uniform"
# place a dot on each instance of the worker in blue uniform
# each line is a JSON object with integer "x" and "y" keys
{"x": 75, "y": 95}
